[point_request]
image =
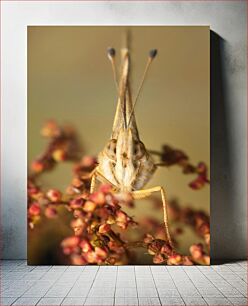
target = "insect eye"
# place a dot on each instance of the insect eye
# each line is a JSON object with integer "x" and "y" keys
{"x": 111, "y": 149}
{"x": 139, "y": 150}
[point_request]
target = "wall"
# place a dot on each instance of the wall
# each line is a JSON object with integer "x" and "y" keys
{"x": 227, "y": 20}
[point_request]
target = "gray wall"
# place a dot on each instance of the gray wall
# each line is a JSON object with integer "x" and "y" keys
{"x": 227, "y": 20}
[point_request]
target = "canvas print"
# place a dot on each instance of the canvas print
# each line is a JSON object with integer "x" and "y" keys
{"x": 118, "y": 145}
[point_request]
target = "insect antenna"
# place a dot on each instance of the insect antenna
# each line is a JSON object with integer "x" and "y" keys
{"x": 111, "y": 55}
{"x": 152, "y": 55}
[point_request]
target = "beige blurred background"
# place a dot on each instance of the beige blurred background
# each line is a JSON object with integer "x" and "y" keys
{"x": 70, "y": 80}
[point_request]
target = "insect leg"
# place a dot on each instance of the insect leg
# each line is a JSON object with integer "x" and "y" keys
{"x": 93, "y": 182}
{"x": 140, "y": 194}
{"x": 98, "y": 175}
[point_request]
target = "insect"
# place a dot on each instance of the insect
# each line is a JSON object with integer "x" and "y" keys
{"x": 125, "y": 163}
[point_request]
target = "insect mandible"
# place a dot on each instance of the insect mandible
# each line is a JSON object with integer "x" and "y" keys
{"x": 125, "y": 163}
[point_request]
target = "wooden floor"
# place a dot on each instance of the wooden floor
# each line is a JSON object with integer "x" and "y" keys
{"x": 127, "y": 285}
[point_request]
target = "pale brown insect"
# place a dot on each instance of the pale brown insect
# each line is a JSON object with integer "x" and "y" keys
{"x": 124, "y": 162}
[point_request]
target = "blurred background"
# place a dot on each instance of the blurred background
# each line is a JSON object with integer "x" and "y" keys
{"x": 70, "y": 80}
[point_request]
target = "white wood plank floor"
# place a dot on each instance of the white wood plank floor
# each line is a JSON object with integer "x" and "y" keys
{"x": 126, "y": 285}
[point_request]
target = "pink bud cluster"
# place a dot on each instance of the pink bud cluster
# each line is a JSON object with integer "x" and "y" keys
{"x": 95, "y": 239}
{"x": 163, "y": 253}
{"x": 63, "y": 145}
{"x": 198, "y": 220}
{"x": 41, "y": 203}
{"x": 96, "y": 223}
{"x": 170, "y": 156}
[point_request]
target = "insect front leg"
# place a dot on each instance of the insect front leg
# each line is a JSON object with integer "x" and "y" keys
{"x": 98, "y": 175}
{"x": 93, "y": 182}
{"x": 144, "y": 193}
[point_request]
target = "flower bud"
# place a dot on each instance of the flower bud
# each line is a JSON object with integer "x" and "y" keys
{"x": 105, "y": 188}
{"x": 32, "y": 191}
{"x": 101, "y": 252}
{"x": 76, "y": 203}
{"x": 198, "y": 183}
{"x": 70, "y": 242}
{"x": 204, "y": 229}
{"x": 34, "y": 209}
{"x": 78, "y": 226}
{"x": 187, "y": 261}
{"x": 54, "y": 195}
{"x": 78, "y": 260}
{"x": 121, "y": 216}
{"x": 37, "y": 166}
{"x": 148, "y": 239}
{"x": 98, "y": 198}
{"x": 50, "y": 129}
{"x": 166, "y": 249}
{"x": 155, "y": 247}
{"x": 51, "y": 212}
{"x": 207, "y": 239}
{"x": 88, "y": 161}
{"x": 76, "y": 182}
{"x": 206, "y": 259}
{"x": 104, "y": 228}
{"x": 85, "y": 246}
{"x": 111, "y": 220}
{"x": 89, "y": 206}
{"x": 174, "y": 259}
{"x": 201, "y": 168}
{"x": 90, "y": 257}
{"x": 59, "y": 155}
{"x": 196, "y": 251}
{"x": 158, "y": 259}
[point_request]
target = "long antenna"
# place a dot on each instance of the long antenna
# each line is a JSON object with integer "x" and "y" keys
{"x": 152, "y": 55}
{"x": 111, "y": 55}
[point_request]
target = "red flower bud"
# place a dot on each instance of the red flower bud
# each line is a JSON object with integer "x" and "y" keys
{"x": 78, "y": 260}
{"x": 76, "y": 203}
{"x": 54, "y": 195}
{"x": 51, "y": 212}
{"x": 59, "y": 155}
{"x": 104, "y": 228}
{"x": 89, "y": 206}
{"x": 85, "y": 246}
{"x": 207, "y": 239}
{"x": 158, "y": 259}
{"x": 78, "y": 226}
{"x": 105, "y": 188}
{"x": 50, "y": 129}
{"x": 102, "y": 253}
{"x": 98, "y": 198}
{"x": 196, "y": 251}
{"x": 198, "y": 183}
{"x": 32, "y": 191}
{"x": 88, "y": 161}
{"x": 34, "y": 209}
{"x": 121, "y": 216}
{"x": 206, "y": 259}
{"x": 187, "y": 261}
{"x": 37, "y": 166}
{"x": 76, "y": 182}
{"x": 155, "y": 247}
{"x": 90, "y": 257}
{"x": 148, "y": 239}
{"x": 70, "y": 242}
{"x": 166, "y": 249}
{"x": 110, "y": 220}
{"x": 201, "y": 168}
{"x": 175, "y": 259}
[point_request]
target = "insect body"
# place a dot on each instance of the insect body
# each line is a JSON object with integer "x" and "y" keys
{"x": 124, "y": 162}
